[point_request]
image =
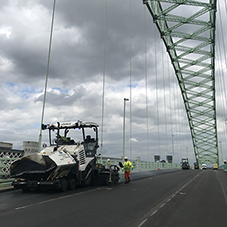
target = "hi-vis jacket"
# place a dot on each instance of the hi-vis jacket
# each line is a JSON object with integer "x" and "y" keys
{"x": 127, "y": 166}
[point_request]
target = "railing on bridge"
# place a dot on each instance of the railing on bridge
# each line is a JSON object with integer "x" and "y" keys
{"x": 138, "y": 166}
{"x": 6, "y": 158}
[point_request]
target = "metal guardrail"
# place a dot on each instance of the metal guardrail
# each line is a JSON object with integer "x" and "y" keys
{"x": 223, "y": 167}
{"x": 138, "y": 166}
{"x": 4, "y": 172}
{"x": 6, "y": 158}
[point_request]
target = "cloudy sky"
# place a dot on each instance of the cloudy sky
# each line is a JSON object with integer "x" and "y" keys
{"x": 79, "y": 61}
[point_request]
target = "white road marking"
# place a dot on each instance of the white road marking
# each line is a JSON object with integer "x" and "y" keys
{"x": 142, "y": 222}
{"x": 55, "y": 199}
{"x": 162, "y": 205}
{"x": 153, "y": 213}
{"x": 174, "y": 194}
{"x": 19, "y": 208}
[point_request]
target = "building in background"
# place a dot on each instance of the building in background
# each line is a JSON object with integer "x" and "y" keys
{"x": 30, "y": 147}
{"x": 7, "y": 151}
{"x": 6, "y": 145}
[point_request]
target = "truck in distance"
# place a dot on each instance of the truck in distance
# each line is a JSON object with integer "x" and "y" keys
{"x": 185, "y": 163}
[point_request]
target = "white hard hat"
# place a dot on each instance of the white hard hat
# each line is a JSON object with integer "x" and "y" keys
{"x": 108, "y": 159}
{"x": 126, "y": 157}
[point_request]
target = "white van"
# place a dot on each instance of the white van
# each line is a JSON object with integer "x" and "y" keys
{"x": 204, "y": 166}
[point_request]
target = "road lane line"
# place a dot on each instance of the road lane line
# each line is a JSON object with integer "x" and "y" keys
{"x": 173, "y": 195}
{"x": 153, "y": 213}
{"x": 55, "y": 199}
{"x": 20, "y": 208}
{"x": 23, "y": 207}
{"x": 142, "y": 222}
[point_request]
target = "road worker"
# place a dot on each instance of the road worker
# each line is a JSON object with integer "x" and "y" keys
{"x": 63, "y": 140}
{"x": 127, "y": 167}
{"x": 108, "y": 163}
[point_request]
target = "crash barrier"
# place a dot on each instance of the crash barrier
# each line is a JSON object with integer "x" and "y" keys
{"x": 6, "y": 158}
{"x": 223, "y": 167}
{"x": 138, "y": 166}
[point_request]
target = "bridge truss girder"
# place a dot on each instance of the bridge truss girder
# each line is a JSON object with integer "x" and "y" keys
{"x": 192, "y": 53}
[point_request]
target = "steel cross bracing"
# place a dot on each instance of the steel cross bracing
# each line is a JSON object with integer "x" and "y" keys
{"x": 188, "y": 30}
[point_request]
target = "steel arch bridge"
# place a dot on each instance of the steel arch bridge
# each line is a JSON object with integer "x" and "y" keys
{"x": 187, "y": 28}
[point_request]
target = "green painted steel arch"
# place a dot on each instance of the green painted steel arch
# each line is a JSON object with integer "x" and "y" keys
{"x": 187, "y": 28}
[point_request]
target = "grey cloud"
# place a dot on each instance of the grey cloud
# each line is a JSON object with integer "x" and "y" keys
{"x": 62, "y": 99}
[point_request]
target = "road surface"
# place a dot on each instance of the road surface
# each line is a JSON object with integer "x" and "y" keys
{"x": 180, "y": 198}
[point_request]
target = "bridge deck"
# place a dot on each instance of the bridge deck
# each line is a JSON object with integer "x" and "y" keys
{"x": 180, "y": 198}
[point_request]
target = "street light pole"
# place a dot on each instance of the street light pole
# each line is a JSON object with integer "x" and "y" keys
{"x": 125, "y": 99}
{"x": 173, "y": 147}
{"x": 222, "y": 159}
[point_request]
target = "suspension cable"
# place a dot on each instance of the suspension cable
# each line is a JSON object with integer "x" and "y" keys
{"x": 164, "y": 88}
{"x": 104, "y": 78}
{"x": 47, "y": 73}
{"x": 145, "y": 64}
{"x": 130, "y": 81}
{"x": 171, "y": 108}
{"x": 156, "y": 82}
